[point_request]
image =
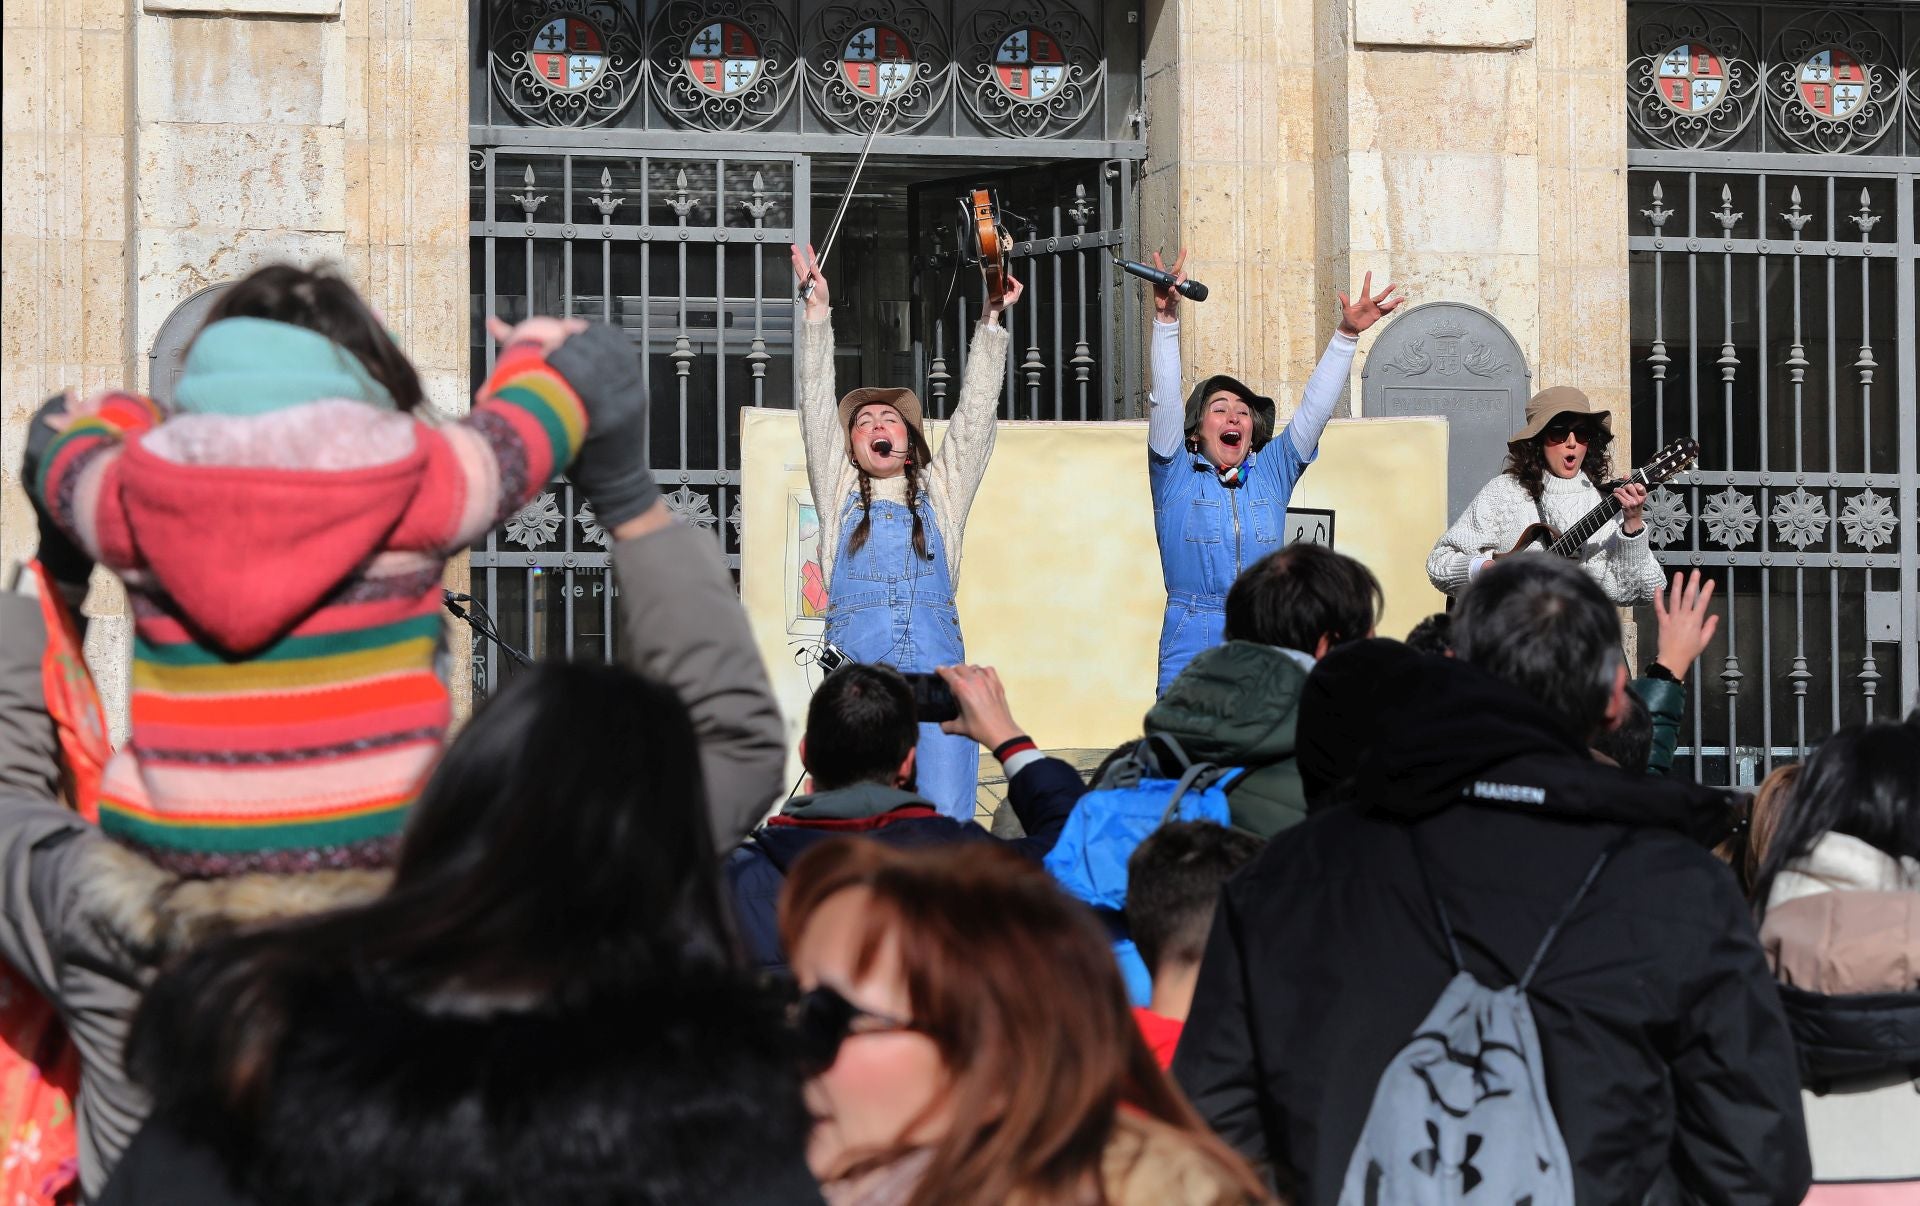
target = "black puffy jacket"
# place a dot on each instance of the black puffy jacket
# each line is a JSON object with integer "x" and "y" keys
{"x": 1668, "y": 1062}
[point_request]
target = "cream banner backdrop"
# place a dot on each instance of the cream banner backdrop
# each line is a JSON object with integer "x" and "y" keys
{"x": 1060, "y": 584}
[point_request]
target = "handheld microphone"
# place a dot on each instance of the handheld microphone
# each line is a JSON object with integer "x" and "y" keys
{"x": 1192, "y": 289}
{"x": 883, "y": 447}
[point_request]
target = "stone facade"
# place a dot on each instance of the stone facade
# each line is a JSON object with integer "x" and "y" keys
{"x": 1471, "y": 150}
{"x": 157, "y": 148}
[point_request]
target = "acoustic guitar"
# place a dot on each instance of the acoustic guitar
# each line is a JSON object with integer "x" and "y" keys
{"x": 1669, "y": 462}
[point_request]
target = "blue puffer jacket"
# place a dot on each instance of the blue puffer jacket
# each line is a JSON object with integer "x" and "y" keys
{"x": 1042, "y": 794}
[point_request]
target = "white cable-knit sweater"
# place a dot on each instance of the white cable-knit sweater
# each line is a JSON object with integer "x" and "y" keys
{"x": 958, "y": 465}
{"x": 1623, "y": 565}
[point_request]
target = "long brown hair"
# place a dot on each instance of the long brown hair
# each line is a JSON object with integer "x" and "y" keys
{"x": 918, "y": 454}
{"x": 1017, "y": 986}
{"x": 1527, "y": 460}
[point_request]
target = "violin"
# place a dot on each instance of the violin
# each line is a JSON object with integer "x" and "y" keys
{"x": 988, "y": 241}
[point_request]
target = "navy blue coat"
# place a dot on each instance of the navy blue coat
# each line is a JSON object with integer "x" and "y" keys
{"x": 1042, "y": 795}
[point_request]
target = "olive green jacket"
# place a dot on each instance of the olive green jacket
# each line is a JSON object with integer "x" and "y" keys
{"x": 1666, "y": 702}
{"x": 1236, "y": 705}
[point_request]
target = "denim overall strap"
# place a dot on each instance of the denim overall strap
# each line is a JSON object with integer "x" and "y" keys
{"x": 887, "y": 603}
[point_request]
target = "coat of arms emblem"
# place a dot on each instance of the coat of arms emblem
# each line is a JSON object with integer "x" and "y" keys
{"x": 878, "y": 61}
{"x": 1692, "y": 78}
{"x": 568, "y": 53}
{"x": 723, "y": 58}
{"x": 1029, "y": 64}
{"x": 1833, "y": 83}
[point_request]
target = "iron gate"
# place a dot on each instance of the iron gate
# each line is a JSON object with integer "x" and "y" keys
{"x": 686, "y": 255}
{"x": 1773, "y": 162}
{"x": 1076, "y": 330}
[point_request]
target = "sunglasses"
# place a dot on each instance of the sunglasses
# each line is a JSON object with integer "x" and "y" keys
{"x": 822, "y": 1019}
{"x": 1557, "y": 433}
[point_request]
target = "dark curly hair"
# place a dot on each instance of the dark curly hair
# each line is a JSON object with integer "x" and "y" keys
{"x": 1527, "y": 461}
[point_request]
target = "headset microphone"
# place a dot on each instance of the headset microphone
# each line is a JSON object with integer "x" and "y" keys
{"x": 883, "y": 447}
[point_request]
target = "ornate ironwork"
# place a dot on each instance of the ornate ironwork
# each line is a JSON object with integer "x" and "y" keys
{"x": 1730, "y": 518}
{"x": 1692, "y": 79}
{"x": 1832, "y": 83}
{"x": 536, "y": 523}
{"x": 882, "y": 59}
{"x": 1800, "y": 518}
{"x": 1869, "y": 520}
{"x": 723, "y": 64}
{"x": 1666, "y": 516}
{"x": 572, "y": 63}
{"x": 692, "y": 507}
{"x": 1031, "y": 68}
{"x": 590, "y": 528}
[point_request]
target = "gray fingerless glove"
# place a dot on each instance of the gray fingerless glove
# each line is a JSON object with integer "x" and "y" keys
{"x": 612, "y": 470}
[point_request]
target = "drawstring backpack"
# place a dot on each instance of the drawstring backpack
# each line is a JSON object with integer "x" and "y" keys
{"x": 1461, "y": 1113}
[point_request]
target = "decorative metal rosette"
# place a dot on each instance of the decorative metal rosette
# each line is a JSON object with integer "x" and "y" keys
{"x": 1730, "y": 518}
{"x": 723, "y": 64}
{"x": 537, "y": 523}
{"x": 693, "y": 507}
{"x": 1666, "y": 516}
{"x": 1693, "y": 79}
{"x": 565, "y": 62}
{"x": 1800, "y": 518}
{"x": 1833, "y": 84}
{"x": 877, "y": 56}
{"x": 1869, "y": 520}
{"x": 1031, "y": 69}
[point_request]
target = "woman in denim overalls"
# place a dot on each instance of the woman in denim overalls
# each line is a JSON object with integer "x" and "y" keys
{"x": 1221, "y": 481}
{"x": 892, "y": 514}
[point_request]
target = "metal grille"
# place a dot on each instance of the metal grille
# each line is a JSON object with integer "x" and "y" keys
{"x": 1074, "y": 351}
{"x": 688, "y": 257}
{"x": 611, "y": 179}
{"x": 1774, "y": 318}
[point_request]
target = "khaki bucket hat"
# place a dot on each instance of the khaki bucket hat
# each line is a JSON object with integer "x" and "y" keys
{"x": 903, "y": 400}
{"x": 1552, "y": 402}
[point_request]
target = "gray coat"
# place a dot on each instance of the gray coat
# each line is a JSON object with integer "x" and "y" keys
{"x": 88, "y": 922}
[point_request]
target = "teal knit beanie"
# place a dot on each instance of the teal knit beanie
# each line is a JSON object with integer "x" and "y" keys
{"x": 253, "y": 366}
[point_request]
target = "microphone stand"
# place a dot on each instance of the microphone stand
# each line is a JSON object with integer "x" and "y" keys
{"x": 484, "y": 627}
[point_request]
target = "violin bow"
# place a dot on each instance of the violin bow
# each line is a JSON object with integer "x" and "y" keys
{"x": 853, "y": 181}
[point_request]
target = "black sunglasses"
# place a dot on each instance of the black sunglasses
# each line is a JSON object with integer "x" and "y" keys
{"x": 1557, "y": 433}
{"x": 822, "y": 1019}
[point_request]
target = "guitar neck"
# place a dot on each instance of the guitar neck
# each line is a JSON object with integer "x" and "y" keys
{"x": 1570, "y": 541}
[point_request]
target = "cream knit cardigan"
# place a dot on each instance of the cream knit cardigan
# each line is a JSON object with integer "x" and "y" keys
{"x": 958, "y": 465}
{"x": 1622, "y": 565}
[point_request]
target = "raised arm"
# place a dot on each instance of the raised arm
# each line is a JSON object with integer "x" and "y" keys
{"x": 820, "y": 430}
{"x": 1330, "y": 375}
{"x": 962, "y": 459}
{"x": 683, "y": 624}
{"x": 1166, "y": 409}
{"x": 72, "y": 468}
{"x": 525, "y": 428}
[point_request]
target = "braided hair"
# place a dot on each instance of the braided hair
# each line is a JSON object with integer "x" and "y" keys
{"x": 918, "y": 454}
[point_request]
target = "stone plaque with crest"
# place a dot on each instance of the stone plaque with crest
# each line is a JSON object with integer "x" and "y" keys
{"x": 1458, "y": 362}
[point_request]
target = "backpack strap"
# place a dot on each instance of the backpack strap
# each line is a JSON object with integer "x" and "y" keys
{"x": 1553, "y": 931}
{"x": 1198, "y": 777}
{"x": 1593, "y": 873}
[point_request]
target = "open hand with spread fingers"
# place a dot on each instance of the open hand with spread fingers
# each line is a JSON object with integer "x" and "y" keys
{"x": 1357, "y": 316}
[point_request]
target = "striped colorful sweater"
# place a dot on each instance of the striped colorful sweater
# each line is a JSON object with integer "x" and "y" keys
{"x": 285, "y": 570}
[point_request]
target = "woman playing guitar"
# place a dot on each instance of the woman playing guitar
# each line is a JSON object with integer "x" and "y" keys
{"x": 1221, "y": 479}
{"x": 892, "y": 513}
{"x": 1556, "y": 468}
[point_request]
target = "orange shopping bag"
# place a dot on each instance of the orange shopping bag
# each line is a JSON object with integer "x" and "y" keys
{"x": 39, "y": 1069}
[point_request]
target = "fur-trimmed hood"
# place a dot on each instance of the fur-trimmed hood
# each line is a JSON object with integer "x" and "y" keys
{"x": 154, "y": 916}
{"x": 690, "y": 1093}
